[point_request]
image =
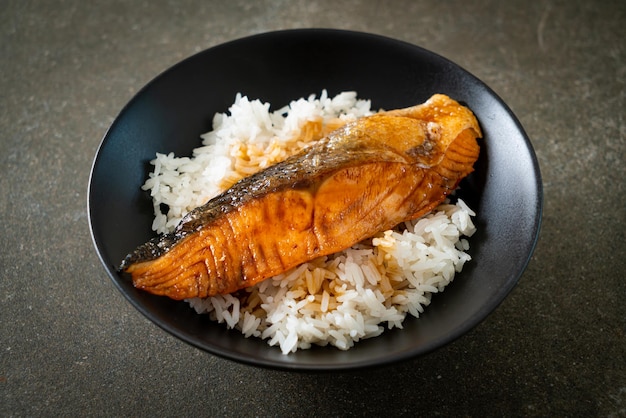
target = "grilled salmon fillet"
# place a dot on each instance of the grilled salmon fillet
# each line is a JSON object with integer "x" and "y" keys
{"x": 363, "y": 178}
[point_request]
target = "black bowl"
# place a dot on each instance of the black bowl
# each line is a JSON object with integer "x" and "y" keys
{"x": 172, "y": 111}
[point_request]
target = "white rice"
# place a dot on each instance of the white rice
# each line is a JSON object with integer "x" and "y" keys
{"x": 335, "y": 300}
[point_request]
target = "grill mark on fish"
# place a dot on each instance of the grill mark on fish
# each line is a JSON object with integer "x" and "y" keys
{"x": 362, "y": 178}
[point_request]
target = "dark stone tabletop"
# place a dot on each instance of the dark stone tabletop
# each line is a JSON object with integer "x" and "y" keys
{"x": 70, "y": 343}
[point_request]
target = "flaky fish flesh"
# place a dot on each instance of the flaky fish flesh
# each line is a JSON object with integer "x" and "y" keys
{"x": 363, "y": 178}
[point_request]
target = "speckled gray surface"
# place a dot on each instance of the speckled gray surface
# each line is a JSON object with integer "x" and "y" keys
{"x": 70, "y": 344}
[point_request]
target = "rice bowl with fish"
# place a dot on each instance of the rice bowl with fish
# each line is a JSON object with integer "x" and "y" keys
{"x": 337, "y": 299}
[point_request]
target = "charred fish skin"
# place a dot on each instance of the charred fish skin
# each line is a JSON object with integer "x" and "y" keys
{"x": 365, "y": 177}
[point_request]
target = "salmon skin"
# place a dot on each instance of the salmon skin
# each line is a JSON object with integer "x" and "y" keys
{"x": 361, "y": 179}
